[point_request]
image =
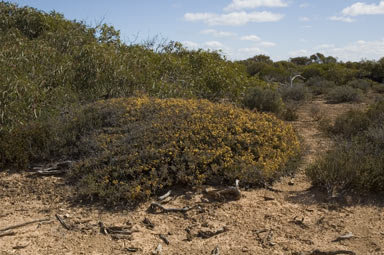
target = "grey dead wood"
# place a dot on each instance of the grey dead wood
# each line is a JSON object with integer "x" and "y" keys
{"x": 24, "y": 224}
{"x": 62, "y": 222}
{"x": 157, "y": 208}
{"x": 161, "y": 198}
{"x": 344, "y": 237}
{"x": 319, "y": 252}
{"x": 158, "y": 250}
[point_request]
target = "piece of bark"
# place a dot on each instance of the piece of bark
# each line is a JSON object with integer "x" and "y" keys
{"x": 148, "y": 224}
{"x": 10, "y": 233}
{"x": 215, "y": 251}
{"x": 208, "y": 233}
{"x": 158, "y": 250}
{"x": 18, "y": 247}
{"x": 164, "y": 238}
{"x": 24, "y": 224}
{"x": 62, "y": 222}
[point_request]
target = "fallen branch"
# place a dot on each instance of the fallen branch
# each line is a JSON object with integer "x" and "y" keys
{"x": 318, "y": 252}
{"x": 165, "y": 195}
{"x": 59, "y": 168}
{"x": 62, "y": 222}
{"x": 344, "y": 237}
{"x": 10, "y": 233}
{"x": 18, "y": 247}
{"x": 24, "y": 224}
{"x": 208, "y": 233}
{"x": 157, "y": 208}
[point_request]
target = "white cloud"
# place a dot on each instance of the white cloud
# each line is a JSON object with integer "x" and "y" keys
{"x": 324, "y": 46}
{"x": 353, "y": 51}
{"x": 253, "y": 38}
{"x": 218, "y": 33}
{"x": 349, "y": 52}
{"x": 267, "y": 44}
{"x": 304, "y": 5}
{"x": 214, "y": 44}
{"x": 253, "y": 50}
{"x": 360, "y": 8}
{"x": 304, "y": 19}
{"x": 251, "y": 4}
{"x": 233, "y": 18}
{"x": 301, "y": 52}
{"x": 341, "y": 18}
{"x": 191, "y": 45}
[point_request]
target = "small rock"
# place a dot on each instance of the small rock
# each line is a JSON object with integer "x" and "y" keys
{"x": 291, "y": 183}
{"x": 245, "y": 249}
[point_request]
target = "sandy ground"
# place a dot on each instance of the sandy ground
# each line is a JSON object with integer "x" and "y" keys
{"x": 296, "y": 220}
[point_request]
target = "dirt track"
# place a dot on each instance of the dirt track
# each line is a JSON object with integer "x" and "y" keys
{"x": 298, "y": 219}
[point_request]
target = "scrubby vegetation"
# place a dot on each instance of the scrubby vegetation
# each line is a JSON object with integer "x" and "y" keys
{"x": 140, "y": 117}
{"x": 357, "y": 161}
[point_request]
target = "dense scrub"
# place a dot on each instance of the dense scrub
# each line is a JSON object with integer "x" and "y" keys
{"x": 357, "y": 161}
{"x": 130, "y": 148}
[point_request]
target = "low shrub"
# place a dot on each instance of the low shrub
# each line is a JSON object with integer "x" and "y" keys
{"x": 357, "y": 161}
{"x": 263, "y": 99}
{"x": 319, "y": 86}
{"x": 362, "y": 84}
{"x": 344, "y": 94}
{"x": 378, "y": 88}
{"x": 295, "y": 93}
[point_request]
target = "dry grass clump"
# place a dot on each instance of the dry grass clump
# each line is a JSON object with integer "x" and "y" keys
{"x": 144, "y": 145}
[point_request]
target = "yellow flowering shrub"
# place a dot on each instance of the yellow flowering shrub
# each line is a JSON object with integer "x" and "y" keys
{"x": 143, "y": 145}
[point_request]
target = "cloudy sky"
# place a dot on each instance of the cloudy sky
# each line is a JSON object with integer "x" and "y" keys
{"x": 346, "y": 29}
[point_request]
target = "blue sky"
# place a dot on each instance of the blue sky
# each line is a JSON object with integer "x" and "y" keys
{"x": 346, "y": 29}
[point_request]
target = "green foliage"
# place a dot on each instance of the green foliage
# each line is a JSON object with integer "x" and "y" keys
{"x": 357, "y": 161}
{"x": 128, "y": 149}
{"x": 319, "y": 86}
{"x": 263, "y": 99}
{"x": 342, "y": 94}
{"x": 362, "y": 84}
{"x": 52, "y": 63}
{"x": 296, "y": 93}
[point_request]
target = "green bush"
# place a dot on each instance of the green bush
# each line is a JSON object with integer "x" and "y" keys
{"x": 319, "y": 86}
{"x": 357, "y": 161}
{"x": 362, "y": 84}
{"x": 295, "y": 93}
{"x": 263, "y": 99}
{"x": 128, "y": 149}
{"x": 378, "y": 87}
{"x": 343, "y": 94}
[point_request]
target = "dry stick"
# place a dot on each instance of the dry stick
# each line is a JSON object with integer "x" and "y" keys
{"x": 24, "y": 224}
{"x": 62, "y": 222}
{"x": 152, "y": 208}
{"x": 165, "y": 195}
{"x": 318, "y": 252}
{"x": 11, "y": 233}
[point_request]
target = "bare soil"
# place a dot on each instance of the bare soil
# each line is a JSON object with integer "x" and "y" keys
{"x": 296, "y": 220}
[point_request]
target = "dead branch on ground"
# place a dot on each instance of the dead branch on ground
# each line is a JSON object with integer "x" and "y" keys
{"x": 24, "y": 224}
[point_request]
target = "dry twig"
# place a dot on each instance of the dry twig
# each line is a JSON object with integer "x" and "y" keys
{"x": 24, "y": 224}
{"x": 62, "y": 222}
{"x": 208, "y": 233}
{"x": 158, "y": 208}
